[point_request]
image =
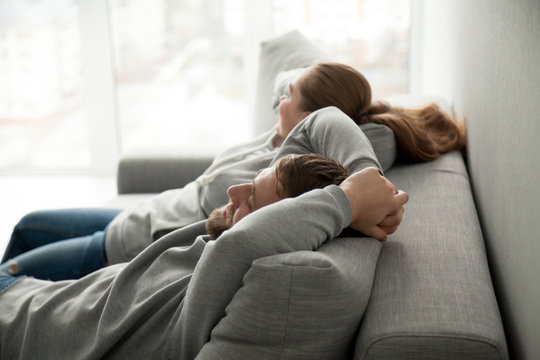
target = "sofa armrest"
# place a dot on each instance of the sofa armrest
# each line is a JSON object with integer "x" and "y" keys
{"x": 158, "y": 169}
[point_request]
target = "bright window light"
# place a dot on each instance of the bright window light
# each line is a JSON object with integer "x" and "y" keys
{"x": 181, "y": 70}
{"x": 42, "y": 110}
{"x": 179, "y": 73}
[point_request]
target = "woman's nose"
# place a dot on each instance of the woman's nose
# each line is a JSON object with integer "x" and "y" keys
{"x": 239, "y": 194}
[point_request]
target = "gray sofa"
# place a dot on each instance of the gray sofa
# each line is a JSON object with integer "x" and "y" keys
{"x": 432, "y": 296}
{"x": 426, "y": 293}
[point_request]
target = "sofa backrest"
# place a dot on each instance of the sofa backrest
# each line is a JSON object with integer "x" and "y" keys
{"x": 484, "y": 55}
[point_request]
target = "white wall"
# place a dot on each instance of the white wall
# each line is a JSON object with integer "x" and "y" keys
{"x": 484, "y": 55}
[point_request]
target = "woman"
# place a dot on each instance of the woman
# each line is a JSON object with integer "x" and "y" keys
{"x": 68, "y": 244}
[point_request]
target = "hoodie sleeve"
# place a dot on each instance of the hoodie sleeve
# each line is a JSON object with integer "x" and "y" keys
{"x": 331, "y": 133}
{"x": 268, "y": 231}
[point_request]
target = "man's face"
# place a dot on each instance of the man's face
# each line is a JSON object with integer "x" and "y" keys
{"x": 244, "y": 199}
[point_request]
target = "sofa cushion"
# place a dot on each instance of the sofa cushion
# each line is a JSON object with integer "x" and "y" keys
{"x": 288, "y": 51}
{"x": 281, "y": 85}
{"x": 383, "y": 141}
{"x": 432, "y": 296}
{"x": 300, "y": 305}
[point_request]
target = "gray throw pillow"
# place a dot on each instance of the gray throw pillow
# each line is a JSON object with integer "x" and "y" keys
{"x": 289, "y": 51}
{"x": 300, "y": 305}
{"x": 383, "y": 141}
{"x": 281, "y": 85}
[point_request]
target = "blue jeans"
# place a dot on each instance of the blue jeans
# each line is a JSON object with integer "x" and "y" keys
{"x": 6, "y": 280}
{"x": 58, "y": 244}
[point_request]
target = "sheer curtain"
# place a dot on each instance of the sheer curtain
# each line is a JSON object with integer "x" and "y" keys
{"x": 82, "y": 82}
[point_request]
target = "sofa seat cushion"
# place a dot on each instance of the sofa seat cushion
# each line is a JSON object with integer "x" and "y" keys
{"x": 432, "y": 296}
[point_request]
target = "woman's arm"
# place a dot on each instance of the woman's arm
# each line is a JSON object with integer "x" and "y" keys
{"x": 268, "y": 231}
{"x": 331, "y": 133}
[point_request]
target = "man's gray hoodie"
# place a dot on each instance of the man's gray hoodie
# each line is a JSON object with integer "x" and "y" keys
{"x": 164, "y": 303}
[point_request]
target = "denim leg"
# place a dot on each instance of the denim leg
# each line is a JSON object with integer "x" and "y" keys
{"x": 61, "y": 260}
{"x": 6, "y": 280}
{"x": 48, "y": 226}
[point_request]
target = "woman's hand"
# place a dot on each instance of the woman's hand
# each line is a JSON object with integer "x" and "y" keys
{"x": 377, "y": 206}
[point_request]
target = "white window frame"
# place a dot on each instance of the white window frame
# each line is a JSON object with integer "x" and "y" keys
{"x": 100, "y": 91}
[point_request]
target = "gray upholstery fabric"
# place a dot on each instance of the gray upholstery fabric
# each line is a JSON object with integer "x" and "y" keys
{"x": 300, "y": 305}
{"x": 432, "y": 296}
{"x": 384, "y": 143}
{"x": 157, "y": 171}
{"x": 485, "y": 56}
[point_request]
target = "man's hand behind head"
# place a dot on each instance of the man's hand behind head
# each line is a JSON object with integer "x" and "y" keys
{"x": 377, "y": 206}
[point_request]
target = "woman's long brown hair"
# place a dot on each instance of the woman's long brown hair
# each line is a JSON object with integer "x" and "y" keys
{"x": 422, "y": 134}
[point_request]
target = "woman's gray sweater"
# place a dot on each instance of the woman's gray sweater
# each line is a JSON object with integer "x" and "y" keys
{"x": 328, "y": 132}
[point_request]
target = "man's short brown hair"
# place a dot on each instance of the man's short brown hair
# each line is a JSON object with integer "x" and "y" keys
{"x": 299, "y": 173}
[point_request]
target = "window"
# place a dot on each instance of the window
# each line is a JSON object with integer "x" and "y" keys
{"x": 179, "y": 72}
{"x": 42, "y": 108}
{"x": 171, "y": 72}
{"x": 370, "y": 35}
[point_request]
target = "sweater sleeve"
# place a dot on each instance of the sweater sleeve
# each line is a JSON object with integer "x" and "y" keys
{"x": 331, "y": 133}
{"x": 267, "y": 231}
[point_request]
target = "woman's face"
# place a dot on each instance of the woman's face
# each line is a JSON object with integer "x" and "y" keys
{"x": 290, "y": 111}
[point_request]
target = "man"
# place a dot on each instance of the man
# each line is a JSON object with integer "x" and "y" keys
{"x": 166, "y": 301}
